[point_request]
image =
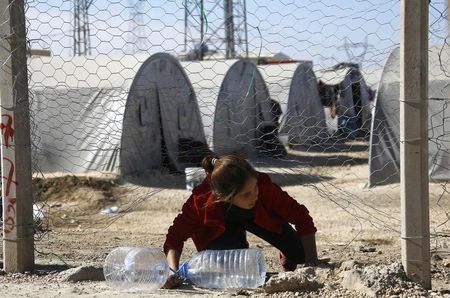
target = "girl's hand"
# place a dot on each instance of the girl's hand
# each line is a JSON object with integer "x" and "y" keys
{"x": 309, "y": 246}
{"x": 173, "y": 259}
{"x": 173, "y": 281}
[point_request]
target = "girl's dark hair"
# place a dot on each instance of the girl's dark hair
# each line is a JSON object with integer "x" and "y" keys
{"x": 228, "y": 174}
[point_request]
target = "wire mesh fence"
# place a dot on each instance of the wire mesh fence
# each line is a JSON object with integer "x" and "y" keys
{"x": 127, "y": 96}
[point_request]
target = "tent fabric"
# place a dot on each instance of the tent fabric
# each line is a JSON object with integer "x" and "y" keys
{"x": 384, "y": 152}
{"x": 76, "y": 106}
{"x": 206, "y": 78}
{"x": 242, "y": 110}
{"x": 304, "y": 118}
{"x": 68, "y": 133}
{"x": 162, "y": 126}
{"x": 278, "y": 78}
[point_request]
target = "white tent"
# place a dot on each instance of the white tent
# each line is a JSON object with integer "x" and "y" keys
{"x": 82, "y": 119}
{"x": 77, "y": 107}
{"x": 384, "y": 156}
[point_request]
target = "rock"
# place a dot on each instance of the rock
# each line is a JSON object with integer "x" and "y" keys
{"x": 347, "y": 265}
{"x": 352, "y": 280}
{"x": 375, "y": 280}
{"x": 82, "y": 273}
{"x": 367, "y": 249}
{"x": 298, "y": 280}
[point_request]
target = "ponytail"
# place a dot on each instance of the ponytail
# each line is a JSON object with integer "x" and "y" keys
{"x": 208, "y": 163}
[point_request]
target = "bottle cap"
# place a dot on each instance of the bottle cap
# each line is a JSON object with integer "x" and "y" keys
{"x": 183, "y": 270}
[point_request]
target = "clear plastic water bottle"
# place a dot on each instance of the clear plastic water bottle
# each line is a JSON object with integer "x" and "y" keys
{"x": 226, "y": 269}
{"x": 194, "y": 176}
{"x": 136, "y": 269}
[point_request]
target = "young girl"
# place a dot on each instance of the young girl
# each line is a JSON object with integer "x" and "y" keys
{"x": 235, "y": 198}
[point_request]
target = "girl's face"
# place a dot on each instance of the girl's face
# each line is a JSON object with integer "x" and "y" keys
{"x": 246, "y": 198}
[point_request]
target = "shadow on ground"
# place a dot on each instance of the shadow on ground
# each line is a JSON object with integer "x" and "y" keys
{"x": 298, "y": 160}
{"x": 178, "y": 181}
{"x": 334, "y": 146}
{"x": 330, "y": 154}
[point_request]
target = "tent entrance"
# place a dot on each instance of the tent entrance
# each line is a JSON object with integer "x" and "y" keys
{"x": 167, "y": 164}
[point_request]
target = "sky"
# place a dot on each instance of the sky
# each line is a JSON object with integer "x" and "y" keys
{"x": 324, "y": 31}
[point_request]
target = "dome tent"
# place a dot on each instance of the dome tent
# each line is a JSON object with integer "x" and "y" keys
{"x": 161, "y": 120}
{"x": 83, "y": 117}
{"x": 304, "y": 117}
{"x": 243, "y": 112}
{"x": 384, "y": 152}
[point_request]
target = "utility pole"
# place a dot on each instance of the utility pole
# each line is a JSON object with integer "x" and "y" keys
{"x": 229, "y": 30}
{"x": 138, "y": 38}
{"x": 205, "y": 31}
{"x": 18, "y": 229}
{"x": 415, "y": 238}
{"x": 81, "y": 31}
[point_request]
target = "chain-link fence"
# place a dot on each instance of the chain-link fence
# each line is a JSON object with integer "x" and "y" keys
{"x": 127, "y": 97}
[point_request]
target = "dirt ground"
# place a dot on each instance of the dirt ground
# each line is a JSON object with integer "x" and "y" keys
{"x": 354, "y": 223}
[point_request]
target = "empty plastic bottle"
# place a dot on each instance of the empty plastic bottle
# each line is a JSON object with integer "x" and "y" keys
{"x": 226, "y": 269}
{"x": 136, "y": 269}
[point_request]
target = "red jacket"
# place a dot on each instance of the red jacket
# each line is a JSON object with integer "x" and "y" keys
{"x": 205, "y": 222}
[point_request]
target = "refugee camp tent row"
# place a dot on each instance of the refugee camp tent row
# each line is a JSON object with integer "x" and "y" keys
{"x": 384, "y": 153}
{"x": 133, "y": 114}
{"x": 124, "y": 114}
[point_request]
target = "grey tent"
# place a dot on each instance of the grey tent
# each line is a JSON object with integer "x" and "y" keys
{"x": 162, "y": 127}
{"x": 304, "y": 117}
{"x": 384, "y": 156}
{"x": 243, "y": 111}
